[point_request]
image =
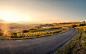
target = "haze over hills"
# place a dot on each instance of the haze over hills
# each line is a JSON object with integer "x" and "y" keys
{"x": 5, "y": 25}
{"x": 16, "y": 22}
{"x": 1, "y": 20}
{"x": 26, "y": 22}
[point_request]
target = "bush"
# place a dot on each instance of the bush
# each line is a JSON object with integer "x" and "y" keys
{"x": 1, "y": 32}
{"x": 74, "y": 26}
{"x": 25, "y": 31}
{"x": 82, "y": 25}
{"x": 14, "y": 35}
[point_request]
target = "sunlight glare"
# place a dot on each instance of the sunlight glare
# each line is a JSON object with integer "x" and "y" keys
{"x": 8, "y": 16}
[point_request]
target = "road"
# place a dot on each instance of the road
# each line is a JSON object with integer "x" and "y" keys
{"x": 48, "y": 30}
{"x": 42, "y": 45}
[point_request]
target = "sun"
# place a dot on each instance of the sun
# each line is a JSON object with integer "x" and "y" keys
{"x": 8, "y": 16}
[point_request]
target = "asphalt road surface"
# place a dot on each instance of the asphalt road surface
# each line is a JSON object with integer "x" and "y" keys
{"x": 48, "y": 30}
{"x": 42, "y": 45}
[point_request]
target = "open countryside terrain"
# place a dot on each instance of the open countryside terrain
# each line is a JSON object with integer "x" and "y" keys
{"x": 42, "y": 45}
{"x": 42, "y": 26}
{"x": 77, "y": 45}
{"x": 31, "y": 32}
{"x": 54, "y": 39}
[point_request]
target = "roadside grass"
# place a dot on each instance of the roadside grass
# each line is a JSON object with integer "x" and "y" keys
{"x": 32, "y": 35}
{"x": 77, "y": 45}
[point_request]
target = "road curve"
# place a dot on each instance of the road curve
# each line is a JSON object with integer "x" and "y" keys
{"x": 43, "y": 45}
{"x": 48, "y": 30}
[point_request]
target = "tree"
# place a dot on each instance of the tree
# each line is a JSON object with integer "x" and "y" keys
{"x": 84, "y": 22}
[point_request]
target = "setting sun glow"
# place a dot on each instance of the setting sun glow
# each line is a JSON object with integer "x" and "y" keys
{"x": 8, "y": 16}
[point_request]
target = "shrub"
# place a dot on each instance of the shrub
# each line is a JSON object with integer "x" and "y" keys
{"x": 1, "y": 32}
{"x": 82, "y": 25}
{"x": 74, "y": 26}
{"x": 25, "y": 31}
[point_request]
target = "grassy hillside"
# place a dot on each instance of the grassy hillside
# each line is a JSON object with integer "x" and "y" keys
{"x": 77, "y": 45}
{"x": 31, "y": 32}
{"x": 20, "y": 31}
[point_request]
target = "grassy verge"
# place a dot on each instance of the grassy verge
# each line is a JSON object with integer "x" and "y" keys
{"x": 77, "y": 45}
{"x": 34, "y": 35}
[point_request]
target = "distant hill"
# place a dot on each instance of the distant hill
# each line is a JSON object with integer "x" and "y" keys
{"x": 8, "y": 26}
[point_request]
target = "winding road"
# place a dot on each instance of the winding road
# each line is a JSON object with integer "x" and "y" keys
{"x": 42, "y": 45}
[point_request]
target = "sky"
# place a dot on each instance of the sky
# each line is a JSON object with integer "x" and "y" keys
{"x": 43, "y": 11}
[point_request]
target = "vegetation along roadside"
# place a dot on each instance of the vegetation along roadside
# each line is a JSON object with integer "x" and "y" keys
{"x": 77, "y": 45}
{"x": 32, "y": 33}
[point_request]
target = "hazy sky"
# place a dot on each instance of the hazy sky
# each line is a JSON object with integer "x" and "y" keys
{"x": 43, "y": 10}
